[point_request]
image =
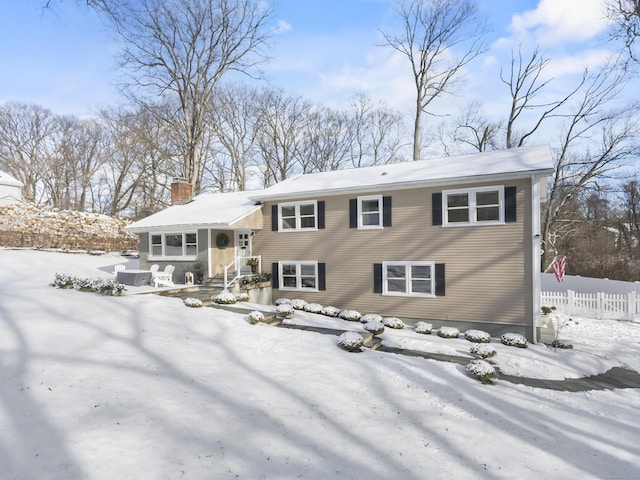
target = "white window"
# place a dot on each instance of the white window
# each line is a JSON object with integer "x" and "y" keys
{"x": 298, "y": 275}
{"x": 474, "y": 206}
{"x": 183, "y": 244}
{"x": 370, "y": 211}
{"x": 408, "y": 279}
{"x": 298, "y": 216}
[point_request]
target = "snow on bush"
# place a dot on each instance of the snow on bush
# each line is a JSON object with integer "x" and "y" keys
{"x": 423, "y": 327}
{"x": 514, "y": 340}
{"x": 331, "y": 311}
{"x": 393, "y": 322}
{"x": 482, "y": 370}
{"x": 371, "y": 317}
{"x": 313, "y": 308}
{"x": 193, "y": 302}
{"x": 62, "y": 280}
{"x": 477, "y": 336}
{"x": 256, "y": 317}
{"x": 298, "y": 304}
{"x": 242, "y": 297}
{"x": 282, "y": 301}
{"x": 104, "y": 286}
{"x": 483, "y": 350}
{"x": 351, "y": 341}
{"x": 225, "y": 298}
{"x": 448, "y": 332}
{"x": 374, "y": 327}
{"x": 285, "y": 310}
{"x": 350, "y": 315}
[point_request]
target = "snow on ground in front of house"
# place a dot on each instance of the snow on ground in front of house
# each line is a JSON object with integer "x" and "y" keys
{"x": 142, "y": 386}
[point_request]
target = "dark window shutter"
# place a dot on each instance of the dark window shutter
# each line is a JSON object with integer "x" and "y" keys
{"x": 321, "y": 214}
{"x": 322, "y": 275}
{"x": 440, "y": 279}
{"x": 274, "y": 218}
{"x": 353, "y": 213}
{"x": 510, "y": 204}
{"x": 436, "y": 208}
{"x": 275, "y": 276}
{"x": 386, "y": 211}
{"x": 377, "y": 278}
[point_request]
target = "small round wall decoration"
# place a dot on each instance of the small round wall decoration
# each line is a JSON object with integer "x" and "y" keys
{"x": 222, "y": 240}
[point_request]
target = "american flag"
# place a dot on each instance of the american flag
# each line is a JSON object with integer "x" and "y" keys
{"x": 559, "y": 267}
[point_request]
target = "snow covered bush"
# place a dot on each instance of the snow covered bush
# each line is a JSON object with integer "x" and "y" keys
{"x": 86, "y": 284}
{"x": 62, "y": 280}
{"x": 483, "y": 350}
{"x": 285, "y": 310}
{"x": 282, "y": 301}
{"x": 371, "y": 317}
{"x": 312, "y": 308}
{"x": 242, "y": 297}
{"x": 393, "y": 322}
{"x": 256, "y": 317}
{"x": 225, "y": 298}
{"x": 448, "y": 332}
{"x": 350, "y": 315}
{"x": 298, "y": 304}
{"x": 331, "y": 311}
{"x": 423, "y": 327}
{"x": 482, "y": 370}
{"x": 110, "y": 287}
{"x": 193, "y": 302}
{"x": 477, "y": 336}
{"x": 374, "y": 327}
{"x": 351, "y": 341}
{"x": 514, "y": 340}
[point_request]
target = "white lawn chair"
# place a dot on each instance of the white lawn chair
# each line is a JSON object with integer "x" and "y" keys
{"x": 154, "y": 269}
{"x": 165, "y": 277}
{"x": 121, "y": 267}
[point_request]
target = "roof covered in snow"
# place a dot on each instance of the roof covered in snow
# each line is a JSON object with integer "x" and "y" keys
{"x": 505, "y": 164}
{"x": 208, "y": 210}
{"x": 8, "y": 180}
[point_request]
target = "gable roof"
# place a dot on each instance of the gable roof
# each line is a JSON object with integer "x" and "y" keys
{"x": 535, "y": 161}
{"x": 8, "y": 180}
{"x": 208, "y": 210}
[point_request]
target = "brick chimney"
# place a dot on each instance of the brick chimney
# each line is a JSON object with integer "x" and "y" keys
{"x": 181, "y": 191}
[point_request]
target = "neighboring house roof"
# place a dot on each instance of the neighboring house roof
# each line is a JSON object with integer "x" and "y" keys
{"x": 8, "y": 180}
{"x": 535, "y": 161}
{"x": 208, "y": 210}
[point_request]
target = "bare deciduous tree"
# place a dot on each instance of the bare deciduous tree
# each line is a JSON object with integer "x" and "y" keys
{"x": 625, "y": 15}
{"x": 475, "y": 130}
{"x": 439, "y": 37}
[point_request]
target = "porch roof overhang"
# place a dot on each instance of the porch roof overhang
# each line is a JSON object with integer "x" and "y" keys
{"x": 208, "y": 210}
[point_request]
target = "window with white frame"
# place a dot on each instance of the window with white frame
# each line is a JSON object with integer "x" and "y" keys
{"x": 296, "y": 275}
{"x": 473, "y": 206}
{"x": 183, "y": 244}
{"x": 298, "y": 216}
{"x": 370, "y": 211}
{"x": 408, "y": 278}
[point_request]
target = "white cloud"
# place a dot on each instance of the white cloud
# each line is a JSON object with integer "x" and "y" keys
{"x": 282, "y": 26}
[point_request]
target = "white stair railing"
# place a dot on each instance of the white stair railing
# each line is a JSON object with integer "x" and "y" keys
{"x": 237, "y": 264}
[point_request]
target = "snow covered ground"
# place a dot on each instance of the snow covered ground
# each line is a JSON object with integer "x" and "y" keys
{"x": 144, "y": 387}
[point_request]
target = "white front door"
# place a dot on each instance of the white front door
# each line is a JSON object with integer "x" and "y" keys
{"x": 243, "y": 247}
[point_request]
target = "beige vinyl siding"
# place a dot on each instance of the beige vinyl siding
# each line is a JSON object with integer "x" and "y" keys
{"x": 485, "y": 265}
{"x": 252, "y": 221}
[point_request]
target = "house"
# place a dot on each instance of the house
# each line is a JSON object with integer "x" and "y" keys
{"x": 10, "y": 189}
{"x": 454, "y": 241}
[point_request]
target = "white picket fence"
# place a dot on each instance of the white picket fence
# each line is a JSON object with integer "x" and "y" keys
{"x": 597, "y": 305}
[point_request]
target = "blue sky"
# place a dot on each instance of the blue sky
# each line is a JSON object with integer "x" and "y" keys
{"x": 66, "y": 60}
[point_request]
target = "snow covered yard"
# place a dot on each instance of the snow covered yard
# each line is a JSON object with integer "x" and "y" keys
{"x": 144, "y": 387}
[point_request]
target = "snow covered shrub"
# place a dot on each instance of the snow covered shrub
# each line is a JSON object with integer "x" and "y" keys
{"x": 374, "y": 327}
{"x": 312, "y": 308}
{"x": 483, "y": 350}
{"x": 350, "y": 315}
{"x": 256, "y": 317}
{"x": 482, "y": 370}
{"x": 193, "y": 302}
{"x": 242, "y": 297}
{"x": 514, "y": 340}
{"x": 225, "y": 298}
{"x": 371, "y": 317}
{"x": 86, "y": 284}
{"x": 298, "y": 304}
{"x": 62, "y": 280}
{"x": 477, "y": 336}
{"x": 393, "y": 322}
{"x": 110, "y": 287}
{"x": 423, "y": 327}
{"x": 282, "y": 301}
{"x": 351, "y": 341}
{"x": 330, "y": 311}
{"x": 285, "y": 310}
{"x": 448, "y": 332}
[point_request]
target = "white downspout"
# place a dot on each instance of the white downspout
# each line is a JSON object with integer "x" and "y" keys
{"x": 535, "y": 254}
